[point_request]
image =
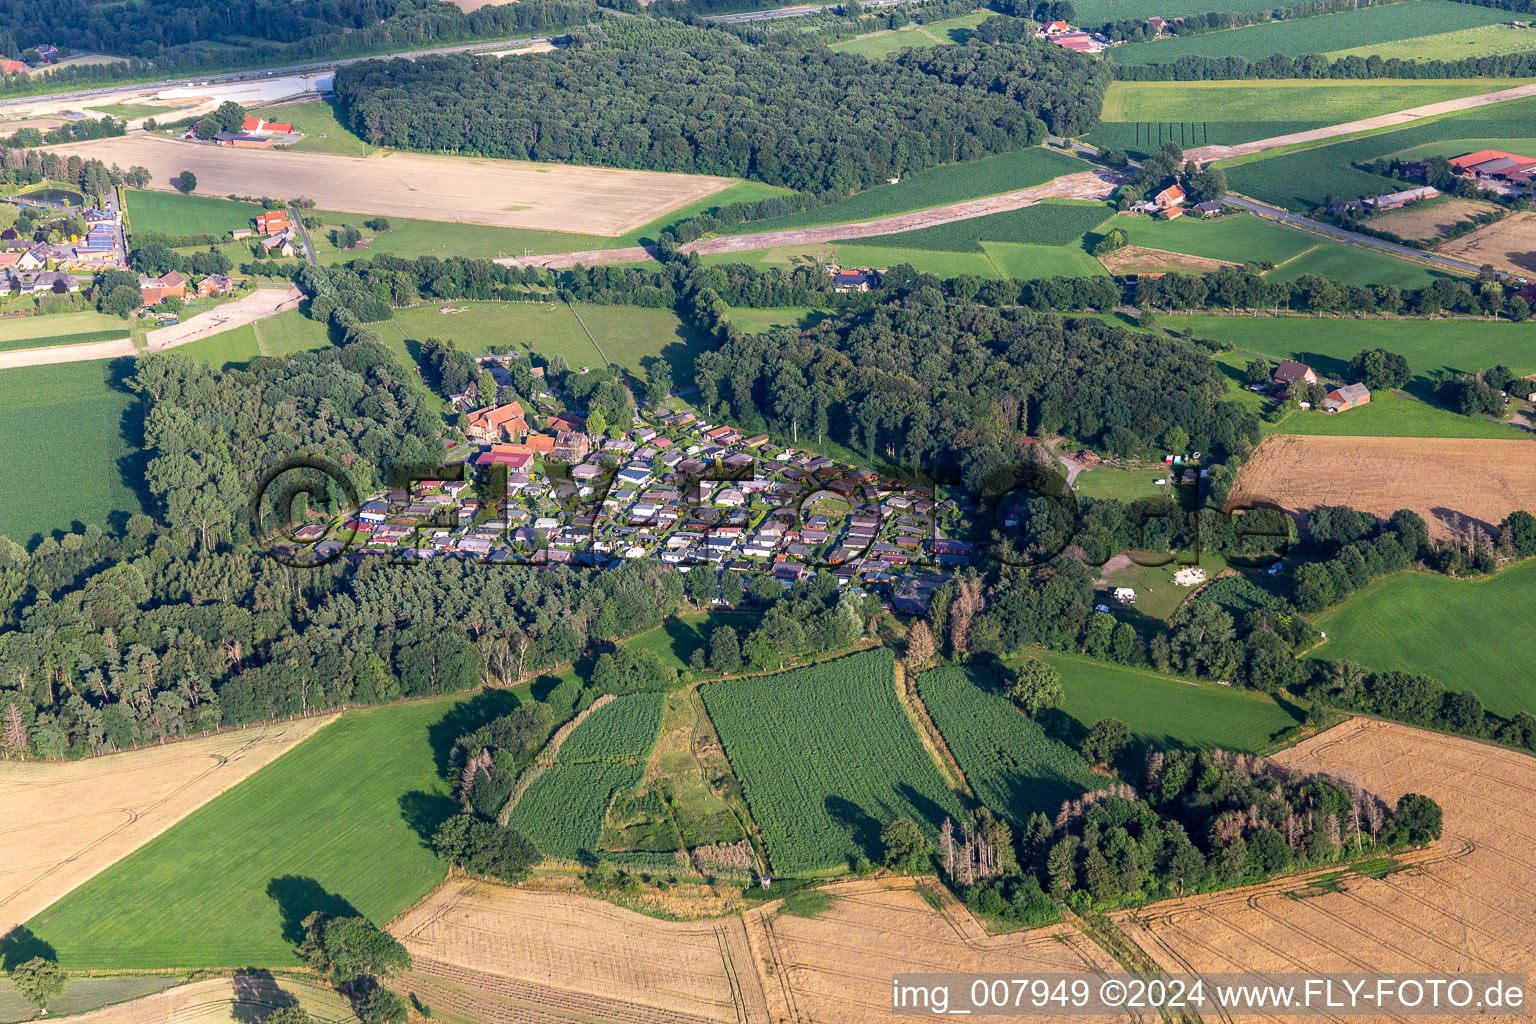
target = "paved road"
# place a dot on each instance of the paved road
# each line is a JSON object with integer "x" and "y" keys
{"x": 256, "y": 75}
{"x": 1296, "y": 220}
{"x": 309, "y": 250}
{"x": 798, "y": 12}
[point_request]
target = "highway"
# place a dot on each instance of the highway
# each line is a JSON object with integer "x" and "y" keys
{"x": 797, "y": 12}
{"x": 258, "y": 74}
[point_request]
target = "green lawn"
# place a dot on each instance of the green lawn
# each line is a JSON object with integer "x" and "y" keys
{"x": 1322, "y": 100}
{"x": 1390, "y": 415}
{"x": 936, "y": 186}
{"x": 173, "y": 214}
{"x": 1365, "y": 28}
{"x": 337, "y": 824}
{"x": 323, "y": 133}
{"x": 883, "y": 44}
{"x": 761, "y": 321}
{"x": 1356, "y": 265}
{"x": 1328, "y": 344}
{"x": 1466, "y": 633}
{"x": 68, "y": 448}
{"x": 1484, "y": 41}
{"x": 1170, "y": 712}
{"x": 1029, "y": 262}
{"x": 1123, "y": 484}
{"x": 1235, "y": 237}
{"x": 132, "y": 110}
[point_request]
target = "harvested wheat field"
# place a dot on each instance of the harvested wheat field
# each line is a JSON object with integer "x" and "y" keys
{"x": 1427, "y": 221}
{"x": 498, "y": 955}
{"x": 837, "y": 966}
{"x": 1456, "y": 484}
{"x": 64, "y": 823}
{"x": 238, "y": 1000}
{"x": 1463, "y": 905}
{"x": 1510, "y": 245}
{"x": 502, "y": 193}
{"x": 1138, "y": 259}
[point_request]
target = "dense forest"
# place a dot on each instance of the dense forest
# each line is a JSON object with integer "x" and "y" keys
{"x": 801, "y": 116}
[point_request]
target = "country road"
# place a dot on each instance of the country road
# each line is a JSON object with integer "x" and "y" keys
{"x": 1082, "y": 185}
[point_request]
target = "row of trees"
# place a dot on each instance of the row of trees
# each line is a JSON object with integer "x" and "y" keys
{"x": 1194, "y": 68}
{"x": 805, "y": 117}
{"x": 105, "y": 127}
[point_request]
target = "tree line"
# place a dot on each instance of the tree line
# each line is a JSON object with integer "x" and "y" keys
{"x": 804, "y": 117}
{"x": 1195, "y": 68}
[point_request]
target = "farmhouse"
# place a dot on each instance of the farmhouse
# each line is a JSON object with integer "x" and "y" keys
{"x": 281, "y": 243}
{"x": 497, "y": 423}
{"x": 168, "y": 285}
{"x": 1290, "y": 371}
{"x": 215, "y": 284}
{"x": 273, "y": 221}
{"x": 12, "y": 67}
{"x": 1396, "y": 200}
{"x": 1349, "y": 396}
{"x": 1494, "y": 163}
{"x": 1173, "y": 195}
{"x": 854, "y": 281}
{"x": 256, "y": 124}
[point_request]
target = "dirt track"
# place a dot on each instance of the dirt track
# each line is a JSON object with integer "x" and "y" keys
{"x": 1082, "y": 185}
{"x": 258, "y": 305}
{"x": 1205, "y": 154}
{"x": 501, "y": 193}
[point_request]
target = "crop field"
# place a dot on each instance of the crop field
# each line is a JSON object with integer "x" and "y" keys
{"x": 563, "y": 811}
{"x": 1483, "y": 41}
{"x": 1327, "y": 344}
{"x": 944, "y": 264}
{"x": 68, "y": 448}
{"x": 1286, "y": 100}
{"x": 64, "y": 339}
{"x": 1095, "y": 12}
{"x": 229, "y": 884}
{"x": 1390, "y": 415}
{"x": 1047, "y": 223}
{"x": 32, "y": 331}
{"x": 1464, "y": 904}
{"x": 827, "y": 757}
{"x": 588, "y": 200}
{"x": 1169, "y": 712}
{"x": 779, "y": 318}
{"x": 1456, "y": 484}
{"x": 1026, "y": 262}
{"x": 1009, "y": 761}
{"x": 1431, "y": 219}
{"x": 67, "y": 821}
{"x": 171, "y": 213}
{"x": 1356, "y": 265}
{"x": 883, "y": 44}
{"x": 1510, "y": 245}
{"x": 477, "y": 948}
{"x": 1439, "y": 627}
{"x": 82, "y": 995}
{"x": 1304, "y": 178}
{"x": 164, "y": 998}
{"x": 1234, "y": 237}
{"x": 936, "y": 186}
{"x": 1365, "y": 28}
{"x": 1140, "y": 138}
{"x": 838, "y": 965}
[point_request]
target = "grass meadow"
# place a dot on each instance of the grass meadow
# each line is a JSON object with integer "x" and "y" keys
{"x": 1390, "y": 415}
{"x": 1365, "y": 28}
{"x": 336, "y": 824}
{"x": 1121, "y": 484}
{"x": 1437, "y": 626}
{"x": 1027, "y": 262}
{"x": 1139, "y": 138}
{"x": 779, "y": 318}
{"x": 1047, "y": 223}
{"x": 883, "y": 44}
{"x": 173, "y": 214}
{"x": 1281, "y": 100}
{"x": 280, "y": 335}
{"x": 1235, "y": 237}
{"x": 944, "y": 264}
{"x": 69, "y": 439}
{"x": 1483, "y": 41}
{"x": 60, "y": 329}
{"x": 323, "y": 133}
{"x": 1356, "y": 265}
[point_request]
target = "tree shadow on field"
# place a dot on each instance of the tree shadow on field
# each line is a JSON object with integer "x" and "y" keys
{"x": 257, "y": 996}
{"x": 862, "y": 827}
{"x": 298, "y": 897}
{"x": 19, "y": 945}
{"x": 927, "y": 809}
{"x": 466, "y": 716}
{"x": 425, "y": 813}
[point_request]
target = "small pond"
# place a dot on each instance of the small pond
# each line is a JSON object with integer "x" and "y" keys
{"x": 55, "y": 195}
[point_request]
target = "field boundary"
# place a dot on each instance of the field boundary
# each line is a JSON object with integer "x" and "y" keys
{"x": 546, "y": 758}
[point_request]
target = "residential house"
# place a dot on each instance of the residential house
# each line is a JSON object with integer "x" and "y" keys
{"x": 1350, "y": 396}
{"x": 215, "y": 284}
{"x": 168, "y": 285}
{"x": 1290, "y": 371}
{"x": 855, "y": 281}
{"x": 55, "y": 281}
{"x": 35, "y": 258}
{"x": 1210, "y": 208}
{"x": 571, "y": 446}
{"x": 1056, "y": 28}
{"x": 13, "y": 67}
{"x": 284, "y": 243}
{"x": 273, "y": 221}
{"x": 497, "y": 423}
{"x": 1171, "y": 212}
{"x": 1171, "y": 196}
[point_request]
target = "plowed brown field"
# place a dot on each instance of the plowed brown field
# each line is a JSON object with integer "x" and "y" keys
{"x": 1464, "y": 905}
{"x": 60, "y": 824}
{"x": 1456, "y": 484}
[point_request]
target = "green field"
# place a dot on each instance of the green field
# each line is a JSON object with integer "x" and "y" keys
{"x": 32, "y": 329}
{"x": 1356, "y": 265}
{"x": 1093, "y": 13}
{"x": 1139, "y": 138}
{"x": 944, "y": 264}
{"x": 1235, "y": 237}
{"x": 780, "y": 318}
{"x": 132, "y": 110}
{"x": 1459, "y": 147}
{"x": 883, "y": 44}
{"x": 68, "y": 448}
{"x": 1028, "y": 262}
{"x": 82, "y": 995}
{"x": 1169, "y": 712}
{"x": 1365, "y": 28}
{"x": 1302, "y": 179}
{"x": 1049, "y": 223}
{"x": 1435, "y": 626}
{"x": 1011, "y": 764}
{"x": 316, "y": 119}
{"x": 1431, "y": 347}
{"x": 65, "y": 339}
{"x": 937, "y": 186}
{"x": 1122, "y": 484}
{"x": 337, "y": 823}
{"x": 1282, "y": 100}
{"x": 827, "y": 757}
{"x": 280, "y": 335}
{"x": 173, "y": 214}
{"x": 1485, "y": 41}
{"x": 1390, "y": 415}
{"x": 563, "y": 811}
